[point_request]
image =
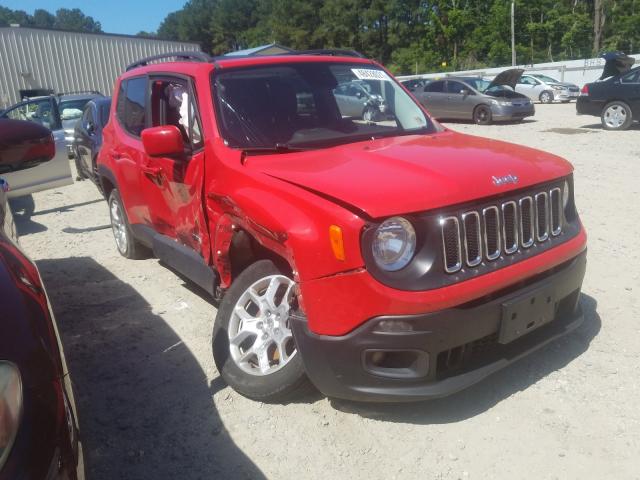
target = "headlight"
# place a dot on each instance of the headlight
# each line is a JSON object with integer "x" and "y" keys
{"x": 10, "y": 408}
{"x": 394, "y": 244}
{"x": 501, "y": 103}
{"x": 557, "y": 87}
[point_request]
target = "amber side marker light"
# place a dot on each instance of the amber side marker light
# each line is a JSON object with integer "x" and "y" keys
{"x": 337, "y": 244}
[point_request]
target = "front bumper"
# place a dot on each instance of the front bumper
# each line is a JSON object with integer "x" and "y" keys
{"x": 436, "y": 354}
{"x": 565, "y": 95}
{"x": 512, "y": 112}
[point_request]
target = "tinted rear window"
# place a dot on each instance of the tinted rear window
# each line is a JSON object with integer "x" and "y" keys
{"x": 135, "y": 105}
{"x": 435, "y": 87}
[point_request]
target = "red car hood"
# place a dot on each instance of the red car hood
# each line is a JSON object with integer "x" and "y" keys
{"x": 406, "y": 174}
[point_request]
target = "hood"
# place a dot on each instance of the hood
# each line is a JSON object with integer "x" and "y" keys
{"x": 616, "y": 63}
{"x": 407, "y": 174}
{"x": 508, "y": 77}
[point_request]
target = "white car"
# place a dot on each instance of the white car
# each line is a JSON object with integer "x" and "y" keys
{"x": 546, "y": 89}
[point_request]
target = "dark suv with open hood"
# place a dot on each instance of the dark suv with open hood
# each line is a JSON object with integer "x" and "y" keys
{"x": 477, "y": 99}
{"x": 615, "y": 97}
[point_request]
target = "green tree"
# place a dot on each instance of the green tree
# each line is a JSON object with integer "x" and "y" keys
{"x": 75, "y": 20}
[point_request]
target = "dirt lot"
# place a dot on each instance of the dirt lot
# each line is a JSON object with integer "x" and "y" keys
{"x": 151, "y": 405}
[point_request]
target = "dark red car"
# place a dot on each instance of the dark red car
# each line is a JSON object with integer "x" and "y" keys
{"x": 383, "y": 259}
{"x": 38, "y": 427}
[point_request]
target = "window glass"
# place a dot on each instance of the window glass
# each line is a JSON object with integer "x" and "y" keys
{"x": 121, "y": 102}
{"x": 87, "y": 118}
{"x": 135, "y": 105}
{"x": 455, "y": 87}
{"x": 37, "y": 111}
{"x": 105, "y": 107}
{"x": 435, "y": 87}
{"x": 173, "y": 103}
{"x": 311, "y": 105}
{"x": 633, "y": 77}
{"x": 527, "y": 81}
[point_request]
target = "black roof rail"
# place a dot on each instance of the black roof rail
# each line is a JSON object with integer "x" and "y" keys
{"x": 334, "y": 52}
{"x": 180, "y": 56}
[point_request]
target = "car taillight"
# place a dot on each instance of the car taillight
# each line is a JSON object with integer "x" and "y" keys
{"x": 585, "y": 91}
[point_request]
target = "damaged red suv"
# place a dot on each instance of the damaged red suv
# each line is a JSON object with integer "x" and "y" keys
{"x": 351, "y": 240}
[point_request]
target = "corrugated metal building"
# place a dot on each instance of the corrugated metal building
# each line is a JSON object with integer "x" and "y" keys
{"x": 35, "y": 59}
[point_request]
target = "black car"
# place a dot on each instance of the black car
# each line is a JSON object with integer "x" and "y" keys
{"x": 615, "y": 98}
{"x": 38, "y": 428}
{"x": 88, "y": 137}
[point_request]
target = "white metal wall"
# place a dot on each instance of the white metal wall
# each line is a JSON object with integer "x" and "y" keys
{"x": 573, "y": 71}
{"x": 65, "y": 61}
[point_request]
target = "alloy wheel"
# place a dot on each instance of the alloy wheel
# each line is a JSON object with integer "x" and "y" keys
{"x": 260, "y": 337}
{"x": 615, "y": 116}
{"x": 118, "y": 226}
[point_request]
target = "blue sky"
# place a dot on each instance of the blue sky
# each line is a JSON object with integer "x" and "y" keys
{"x": 116, "y": 16}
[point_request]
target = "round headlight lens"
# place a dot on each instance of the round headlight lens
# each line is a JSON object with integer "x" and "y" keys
{"x": 394, "y": 244}
{"x": 10, "y": 407}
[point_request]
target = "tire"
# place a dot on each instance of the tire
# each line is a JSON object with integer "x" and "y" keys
{"x": 616, "y": 115}
{"x": 546, "y": 97}
{"x": 126, "y": 243}
{"x": 254, "y": 365}
{"x": 23, "y": 207}
{"x": 482, "y": 115}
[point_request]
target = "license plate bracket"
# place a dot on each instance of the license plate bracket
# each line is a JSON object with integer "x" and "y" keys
{"x": 526, "y": 313}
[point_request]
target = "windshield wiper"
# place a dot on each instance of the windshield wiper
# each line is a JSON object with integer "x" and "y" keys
{"x": 277, "y": 148}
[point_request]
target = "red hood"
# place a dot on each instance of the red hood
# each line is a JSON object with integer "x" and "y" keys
{"x": 412, "y": 173}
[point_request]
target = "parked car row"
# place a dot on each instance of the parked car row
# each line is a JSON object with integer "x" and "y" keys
{"x": 615, "y": 98}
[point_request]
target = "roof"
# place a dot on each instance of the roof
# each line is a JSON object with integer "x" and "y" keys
{"x": 269, "y": 49}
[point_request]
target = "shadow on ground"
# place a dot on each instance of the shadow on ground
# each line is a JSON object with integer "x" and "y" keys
{"x": 144, "y": 406}
{"x": 492, "y": 390}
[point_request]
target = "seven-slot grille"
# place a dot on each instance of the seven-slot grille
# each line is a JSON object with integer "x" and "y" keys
{"x": 474, "y": 236}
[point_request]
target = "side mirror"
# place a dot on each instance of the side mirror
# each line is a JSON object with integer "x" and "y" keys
{"x": 24, "y": 144}
{"x": 465, "y": 92}
{"x": 358, "y": 94}
{"x": 164, "y": 141}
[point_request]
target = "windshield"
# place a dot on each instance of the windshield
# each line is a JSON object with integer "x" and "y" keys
{"x": 544, "y": 78}
{"x": 311, "y": 105}
{"x": 477, "y": 83}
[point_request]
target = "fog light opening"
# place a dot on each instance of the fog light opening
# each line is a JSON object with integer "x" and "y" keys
{"x": 397, "y": 363}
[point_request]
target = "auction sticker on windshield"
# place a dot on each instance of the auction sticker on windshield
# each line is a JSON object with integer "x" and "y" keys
{"x": 370, "y": 74}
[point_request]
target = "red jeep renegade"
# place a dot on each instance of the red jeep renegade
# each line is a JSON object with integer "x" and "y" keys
{"x": 351, "y": 240}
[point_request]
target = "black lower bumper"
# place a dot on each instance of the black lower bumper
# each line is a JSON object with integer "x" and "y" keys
{"x": 416, "y": 357}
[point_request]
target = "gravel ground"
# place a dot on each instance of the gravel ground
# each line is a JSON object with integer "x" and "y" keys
{"x": 151, "y": 404}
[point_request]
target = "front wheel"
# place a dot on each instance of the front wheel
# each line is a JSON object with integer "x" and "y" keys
{"x": 482, "y": 115}
{"x": 616, "y": 116}
{"x": 253, "y": 346}
{"x": 546, "y": 97}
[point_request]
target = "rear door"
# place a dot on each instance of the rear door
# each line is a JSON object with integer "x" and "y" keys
{"x": 172, "y": 186}
{"x": 52, "y": 174}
